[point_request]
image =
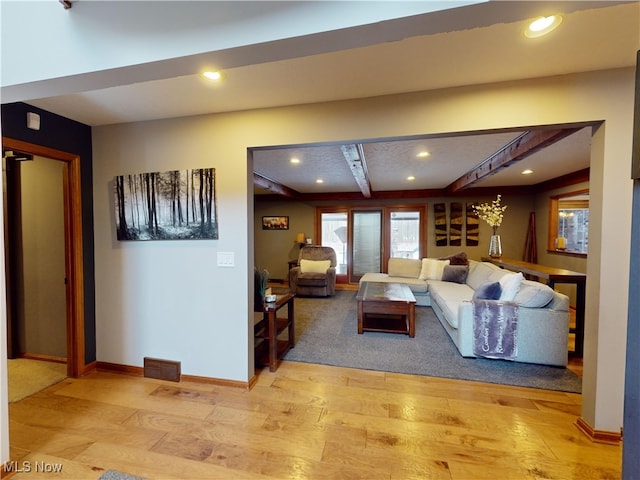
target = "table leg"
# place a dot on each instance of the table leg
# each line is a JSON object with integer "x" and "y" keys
{"x": 291, "y": 318}
{"x": 412, "y": 320}
{"x": 360, "y": 315}
{"x": 273, "y": 341}
{"x": 579, "y": 330}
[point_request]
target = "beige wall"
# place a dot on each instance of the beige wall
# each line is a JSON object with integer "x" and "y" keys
{"x": 43, "y": 306}
{"x": 171, "y": 300}
{"x": 274, "y": 249}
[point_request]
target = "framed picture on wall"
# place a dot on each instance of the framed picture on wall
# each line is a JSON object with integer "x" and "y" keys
{"x": 275, "y": 223}
{"x": 172, "y": 205}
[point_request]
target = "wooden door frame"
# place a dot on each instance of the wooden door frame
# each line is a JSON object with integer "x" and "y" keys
{"x": 385, "y": 241}
{"x": 73, "y": 248}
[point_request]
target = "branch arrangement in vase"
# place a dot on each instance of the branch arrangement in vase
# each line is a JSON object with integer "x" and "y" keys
{"x": 492, "y": 213}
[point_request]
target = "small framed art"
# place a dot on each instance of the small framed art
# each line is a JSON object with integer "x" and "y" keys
{"x": 275, "y": 223}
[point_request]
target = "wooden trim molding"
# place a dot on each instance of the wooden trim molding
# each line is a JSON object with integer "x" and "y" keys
{"x": 74, "y": 262}
{"x": 119, "y": 368}
{"x": 599, "y": 436}
{"x": 139, "y": 372}
{"x": 43, "y": 357}
{"x": 89, "y": 368}
{"x": 215, "y": 381}
{"x": 554, "y": 207}
{"x": 5, "y": 474}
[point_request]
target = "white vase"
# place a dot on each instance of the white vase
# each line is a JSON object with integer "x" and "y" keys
{"x": 495, "y": 247}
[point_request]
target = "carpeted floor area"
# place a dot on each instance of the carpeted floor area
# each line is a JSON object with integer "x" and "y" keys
{"x": 326, "y": 333}
{"x": 116, "y": 475}
{"x": 27, "y": 376}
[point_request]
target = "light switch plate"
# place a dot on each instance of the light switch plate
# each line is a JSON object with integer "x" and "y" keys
{"x": 226, "y": 259}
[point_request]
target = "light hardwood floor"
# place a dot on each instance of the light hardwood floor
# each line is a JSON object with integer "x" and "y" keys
{"x": 306, "y": 421}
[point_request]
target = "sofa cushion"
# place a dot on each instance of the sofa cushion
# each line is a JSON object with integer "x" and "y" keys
{"x": 455, "y": 273}
{"x": 479, "y": 273}
{"x": 510, "y": 284}
{"x": 449, "y": 296}
{"x": 533, "y": 294}
{"x": 432, "y": 269}
{"x": 314, "y": 266}
{"x": 416, "y": 285}
{"x": 312, "y": 280}
{"x": 404, "y": 267}
{"x": 459, "y": 258}
{"x": 488, "y": 291}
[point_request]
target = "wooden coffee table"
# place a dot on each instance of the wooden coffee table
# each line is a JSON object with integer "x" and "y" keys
{"x": 386, "y": 307}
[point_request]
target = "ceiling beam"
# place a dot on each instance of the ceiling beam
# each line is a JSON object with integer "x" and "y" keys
{"x": 354, "y": 155}
{"x": 581, "y": 176}
{"x": 401, "y": 195}
{"x": 526, "y": 144}
{"x": 274, "y": 187}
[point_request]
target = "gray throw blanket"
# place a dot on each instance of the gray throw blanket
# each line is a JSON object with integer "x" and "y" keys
{"x": 495, "y": 329}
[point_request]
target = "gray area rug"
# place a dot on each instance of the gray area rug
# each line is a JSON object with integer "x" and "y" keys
{"x": 116, "y": 475}
{"x": 326, "y": 333}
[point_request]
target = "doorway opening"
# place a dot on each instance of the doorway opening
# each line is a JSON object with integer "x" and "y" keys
{"x": 23, "y": 270}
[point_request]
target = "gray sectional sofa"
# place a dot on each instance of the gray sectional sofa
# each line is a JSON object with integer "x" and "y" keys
{"x": 448, "y": 287}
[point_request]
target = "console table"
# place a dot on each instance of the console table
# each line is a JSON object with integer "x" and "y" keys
{"x": 269, "y": 326}
{"x": 553, "y": 275}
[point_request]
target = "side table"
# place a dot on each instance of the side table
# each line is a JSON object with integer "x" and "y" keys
{"x": 269, "y": 348}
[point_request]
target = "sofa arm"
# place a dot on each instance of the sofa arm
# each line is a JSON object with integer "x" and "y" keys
{"x": 331, "y": 281}
{"x": 542, "y": 332}
{"x": 293, "y": 278}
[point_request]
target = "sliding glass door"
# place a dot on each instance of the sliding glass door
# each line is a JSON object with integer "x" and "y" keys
{"x": 334, "y": 233}
{"x": 365, "y": 238}
{"x": 404, "y": 233}
{"x": 366, "y": 247}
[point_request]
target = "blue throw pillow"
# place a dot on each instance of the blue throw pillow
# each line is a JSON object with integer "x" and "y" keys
{"x": 488, "y": 291}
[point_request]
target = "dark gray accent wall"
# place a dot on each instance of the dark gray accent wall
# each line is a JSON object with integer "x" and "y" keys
{"x": 66, "y": 135}
{"x": 631, "y": 425}
{"x": 631, "y": 422}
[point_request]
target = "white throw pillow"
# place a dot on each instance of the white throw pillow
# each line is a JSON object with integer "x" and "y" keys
{"x": 404, "y": 267}
{"x": 510, "y": 284}
{"x": 314, "y": 266}
{"x": 533, "y": 294}
{"x": 432, "y": 269}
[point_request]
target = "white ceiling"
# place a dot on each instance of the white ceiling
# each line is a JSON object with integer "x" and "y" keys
{"x": 591, "y": 37}
{"x": 390, "y": 163}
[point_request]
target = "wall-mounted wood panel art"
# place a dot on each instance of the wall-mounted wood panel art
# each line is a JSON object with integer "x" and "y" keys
{"x": 472, "y": 226}
{"x": 440, "y": 215}
{"x": 455, "y": 224}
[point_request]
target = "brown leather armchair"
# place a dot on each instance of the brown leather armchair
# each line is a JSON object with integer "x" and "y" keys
{"x": 309, "y": 277}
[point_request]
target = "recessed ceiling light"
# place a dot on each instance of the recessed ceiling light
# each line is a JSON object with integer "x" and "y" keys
{"x": 411, "y": 178}
{"x": 319, "y": 180}
{"x": 213, "y": 75}
{"x": 528, "y": 171}
{"x": 294, "y": 160}
{"x": 423, "y": 154}
{"x": 542, "y": 25}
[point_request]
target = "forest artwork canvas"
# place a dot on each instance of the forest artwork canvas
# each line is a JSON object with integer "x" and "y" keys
{"x": 174, "y": 205}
